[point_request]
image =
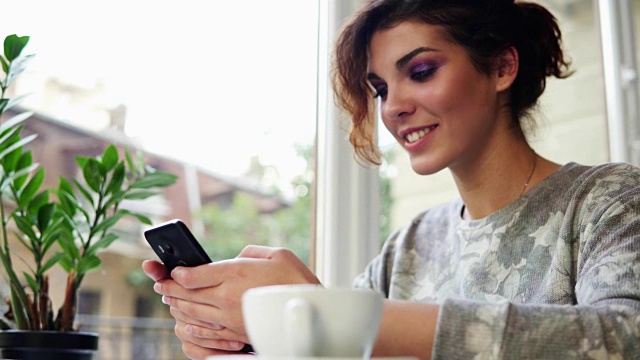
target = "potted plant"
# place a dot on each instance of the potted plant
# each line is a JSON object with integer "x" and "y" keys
{"x": 65, "y": 226}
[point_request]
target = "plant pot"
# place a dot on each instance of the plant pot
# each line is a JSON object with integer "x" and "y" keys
{"x": 47, "y": 345}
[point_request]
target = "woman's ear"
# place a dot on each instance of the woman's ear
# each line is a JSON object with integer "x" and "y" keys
{"x": 507, "y": 68}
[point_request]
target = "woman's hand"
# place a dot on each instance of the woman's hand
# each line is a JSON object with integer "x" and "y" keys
{"x": 206, "y": 300}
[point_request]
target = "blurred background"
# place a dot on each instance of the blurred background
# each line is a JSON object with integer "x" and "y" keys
{"x": 229, "y": 97}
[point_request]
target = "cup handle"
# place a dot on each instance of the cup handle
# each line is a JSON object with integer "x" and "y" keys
{"x": 299, "y": 327}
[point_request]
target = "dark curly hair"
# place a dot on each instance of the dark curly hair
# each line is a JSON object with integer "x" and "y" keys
{"x": 485, "y": 28}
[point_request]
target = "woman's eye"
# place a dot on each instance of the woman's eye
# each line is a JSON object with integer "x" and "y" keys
{"x": 380, "y": 91}
{"x": 422, "y": 72}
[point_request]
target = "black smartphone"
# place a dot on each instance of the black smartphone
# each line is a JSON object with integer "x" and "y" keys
{"x": 175, "y": 245}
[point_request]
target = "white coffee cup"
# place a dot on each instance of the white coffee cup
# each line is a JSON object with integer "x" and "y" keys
{"x": 311, "y": 321}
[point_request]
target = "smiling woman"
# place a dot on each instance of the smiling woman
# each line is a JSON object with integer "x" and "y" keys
{"x": 532, "y": 258}
{"x": 214, "y": 85}
{"x": 455, "y": 94}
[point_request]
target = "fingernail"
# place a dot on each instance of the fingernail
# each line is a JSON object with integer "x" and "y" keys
{"x": 157, "y": 287}
{"x": 235, "y": 345}
{"x": 177, "y": 272}
{"x": 188, "y": 329}
{"x": 165, "y": 300}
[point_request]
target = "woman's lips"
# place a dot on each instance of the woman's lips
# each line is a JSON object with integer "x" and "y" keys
{"x": 414, "y": 138}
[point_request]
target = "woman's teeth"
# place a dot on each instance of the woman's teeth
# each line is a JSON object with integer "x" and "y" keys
{"x": 417, "y": 135}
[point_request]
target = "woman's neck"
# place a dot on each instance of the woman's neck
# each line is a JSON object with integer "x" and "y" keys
{"x": 493, "y": 182}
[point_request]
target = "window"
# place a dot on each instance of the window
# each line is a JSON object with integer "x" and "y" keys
{"x": 222, "y": 95}
{"x": 89, "y": 302}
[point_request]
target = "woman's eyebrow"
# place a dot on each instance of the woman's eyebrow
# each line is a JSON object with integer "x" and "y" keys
{"x": 402, "y": 62}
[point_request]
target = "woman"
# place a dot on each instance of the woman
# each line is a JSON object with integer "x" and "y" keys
{"x": 534, "y": 260}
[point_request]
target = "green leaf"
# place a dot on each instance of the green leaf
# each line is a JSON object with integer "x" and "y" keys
{"x": 33, "y": 284}
{"x": 13, "y": 46}
{"x": 16, "y": 100}
{"x": 25, "y": 227}
{"x": 16, "y": 68}
{"x": 20, "y": 305}
{"x": 56, "y": 229}
{"x": 66, "y": 197}
{"x": 115, "y": 199}
{"x": 117, "y": 179}
{"x": 54, "y": 259}
{"x": 85, "y": 214}
{"x": 65, "y": 186}
{"x": 143, "y": 219}
{"x": 158, "y": 179}
{"x": 9, "y": 136}
{"x": 18, "y": 175}
{"x": 11, "y": 161}
{"x": 93, "y": 176}
{"x": 15, "y": 120}
{"x": 68, "y": 246}
{"x": 66, "y": 263}
{"x": 10, "y": 164}
{"x": 82, "y": 161}
{"x": 38, "y": 202}
{"x": 19, "y": 300}
{"x": 5, "y": 66}
{"x": 70, "y": 223}
{"x": 45, "y": 214}
{"x": 22, "y": 238}
{"x": 103, "y": 243}
{"x": 109, "y": 158}
{"x": 140, "y": 194}
{"x": 88, "y": 263}
{"x": 18, "y": 295}
{"x": 67, "y": 204}
{"x": 107, "y": 223}
{"x": 130, "y": 163}
{"x": 32, "y": 187}
{"x": 16, "y": 145}
{"x": 85, "y": 192}
{"x": 25, "y": 161}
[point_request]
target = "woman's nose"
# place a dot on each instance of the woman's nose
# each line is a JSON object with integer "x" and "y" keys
{"x": 396, "y": 106}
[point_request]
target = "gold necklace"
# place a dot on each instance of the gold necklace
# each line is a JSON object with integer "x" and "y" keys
{"x": 465, "y": 211}
{"x": 535, "y": 163}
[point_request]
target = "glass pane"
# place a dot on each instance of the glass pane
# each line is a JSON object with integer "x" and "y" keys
{"x": 222, "y": 94}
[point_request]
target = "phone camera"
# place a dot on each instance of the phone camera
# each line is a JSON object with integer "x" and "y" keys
{"x": 168, "y": 249}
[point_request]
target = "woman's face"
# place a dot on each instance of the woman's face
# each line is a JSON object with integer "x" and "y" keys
{"x": 433, "y": 100}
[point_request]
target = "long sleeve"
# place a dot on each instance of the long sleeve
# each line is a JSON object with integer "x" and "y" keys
{"x": 470, "y": 329}
{"x": 552, "y": 276}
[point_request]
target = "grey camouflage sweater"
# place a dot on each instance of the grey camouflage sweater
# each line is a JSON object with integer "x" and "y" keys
{"x": 554, "y": 275}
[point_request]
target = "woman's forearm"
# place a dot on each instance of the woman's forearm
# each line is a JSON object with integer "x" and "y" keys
{"x": 407, "y": 329}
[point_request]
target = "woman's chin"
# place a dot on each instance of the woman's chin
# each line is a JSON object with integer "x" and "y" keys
{"x": 424, "y": 167}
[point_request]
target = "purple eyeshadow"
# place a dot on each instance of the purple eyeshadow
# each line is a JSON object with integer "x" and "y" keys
{"x": 423, "y": 67}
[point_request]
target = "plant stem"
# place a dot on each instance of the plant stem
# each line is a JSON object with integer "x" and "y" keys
{"x": 5, "y": 239}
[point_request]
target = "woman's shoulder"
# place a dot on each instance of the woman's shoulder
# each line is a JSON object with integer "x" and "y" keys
{"x": 609, "y": 177}
{"x": 447, "y": 212}
{"x": 590, "y": 189}
{"x": 435, "y": 220}
{"x": 612, "y": 170}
